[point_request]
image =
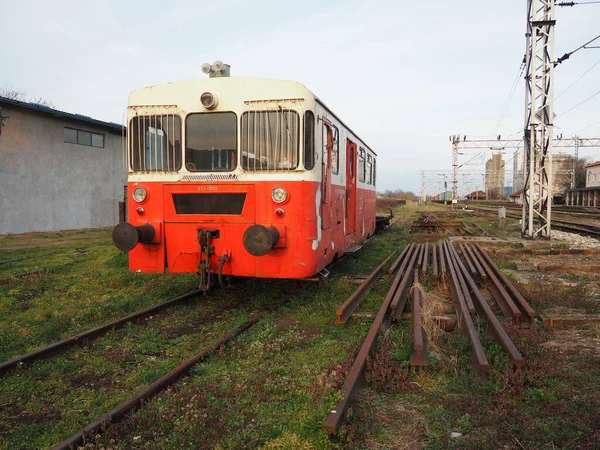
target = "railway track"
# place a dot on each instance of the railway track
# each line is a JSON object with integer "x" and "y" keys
{"x": 575, "y": 227}
{"x": 168, "y": 379}
{"x": 90, "y": 335}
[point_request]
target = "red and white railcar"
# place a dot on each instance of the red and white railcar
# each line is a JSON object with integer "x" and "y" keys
{"x": 242, "y": 176}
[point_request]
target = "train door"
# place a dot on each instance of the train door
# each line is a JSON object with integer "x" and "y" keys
{"x": 326, "y": 176}
{"x": 350, "y": 187}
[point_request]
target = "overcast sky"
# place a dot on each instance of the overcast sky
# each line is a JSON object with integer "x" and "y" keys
{"x": 403, "y": 74}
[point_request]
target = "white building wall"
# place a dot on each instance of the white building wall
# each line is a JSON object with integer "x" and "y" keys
{"x": 47, "y": 184}
{"x": 592, "y": 176}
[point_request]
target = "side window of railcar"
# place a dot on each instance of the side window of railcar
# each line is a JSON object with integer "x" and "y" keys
{"x": 270, "y": 140}
{"x": 369, "y": 169}
{"x": 335, "y": 152}
{"x": 155, "y": 143}
{"x": 211, "y": 142}
{"x": 309, "y": 140}
{"x": 361, "y": 165}
{"x": 374, "y": 170}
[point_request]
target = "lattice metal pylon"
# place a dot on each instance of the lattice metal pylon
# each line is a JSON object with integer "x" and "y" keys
{"x": 539, "y": 117}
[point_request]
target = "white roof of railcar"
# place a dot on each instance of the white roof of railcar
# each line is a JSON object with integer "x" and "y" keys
{"x": 231, "y": 91}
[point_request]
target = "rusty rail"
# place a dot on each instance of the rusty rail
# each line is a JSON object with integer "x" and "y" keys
{"x": 462, "y": 286}
{"x": 504, "y": 301}
{"x": 436, "y": 273}
{"x": 527, "y": 309}
{"x": 120, "y": 411}
{"x": 89, "y": 335}
{"x": 480, "y": 363}
{"x": 425, "y": 267}
{"x": 496, "y": 327}
{"x": 401, "y": 294}
{"x": 418, "y": 354}
{"x": 334, "y": 419}
{"x": 345, "y": 311}
{"x": 442, "y": 262}
{"x": 480, "y": 272}
{"x": 467, "y": 259}
{"x": 400, "y": 258}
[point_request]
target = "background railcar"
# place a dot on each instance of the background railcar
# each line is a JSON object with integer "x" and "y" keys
{"x": 242, "y": 176}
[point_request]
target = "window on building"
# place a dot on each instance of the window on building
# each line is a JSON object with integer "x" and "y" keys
{"x": 335, "y": 152}
{"x": 369, "y": 169}
{"x": 211, "y": 142}
{"x": 309, "y": 140}
{"x": 155, "y": 143}
{"x": 361, "y": 165}
{"x": 270, "y": 140}
{"x": 81, "y": 137}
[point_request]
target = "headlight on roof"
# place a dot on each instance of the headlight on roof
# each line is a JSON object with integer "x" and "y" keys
{"x": 209, "y": 100}
{"x": 140, "y": 194}
{"x": 279, "y": 195}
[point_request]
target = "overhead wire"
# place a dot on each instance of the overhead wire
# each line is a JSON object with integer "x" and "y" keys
{"x": 578, "y": 105}
{"x": 574, "y": 82}
{"x": 510, "y": 96}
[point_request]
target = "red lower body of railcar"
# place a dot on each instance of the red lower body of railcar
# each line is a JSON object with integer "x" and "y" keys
{"x": 300, "y": 236}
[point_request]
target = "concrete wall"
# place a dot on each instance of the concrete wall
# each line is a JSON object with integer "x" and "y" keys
{"x": 592, "y": 176}
{"x": 47, "y": 184}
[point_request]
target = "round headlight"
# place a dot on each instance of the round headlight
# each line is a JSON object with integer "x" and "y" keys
{"x": 279, "y": 195}
{"x": 139, "y": 194}
{"x": 208, "y": 100}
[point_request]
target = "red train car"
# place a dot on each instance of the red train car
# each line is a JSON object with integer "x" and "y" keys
{"x": 242, "y": 176}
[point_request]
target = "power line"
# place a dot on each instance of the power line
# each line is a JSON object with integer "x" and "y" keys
{"x": 572, "y": 84}
{"x": 575, "y": 3}
{"x": 577, "y": 105}
{"x": 568, "y": 55}
{"x": 510, "y": 96}
{"x": 589, "y": 126}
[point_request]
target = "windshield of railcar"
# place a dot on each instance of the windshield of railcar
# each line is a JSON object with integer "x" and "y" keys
{"x": 211, "y": 142}
{"x": 155, "y": 143}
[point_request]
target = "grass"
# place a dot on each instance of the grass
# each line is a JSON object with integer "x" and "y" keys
{"x": 274, "y": 385}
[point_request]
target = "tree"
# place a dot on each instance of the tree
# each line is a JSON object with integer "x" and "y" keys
{"x": 15, "y": 94}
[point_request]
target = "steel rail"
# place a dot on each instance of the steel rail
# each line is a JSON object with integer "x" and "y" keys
{"x": 497, "y": 329}
{"x": 462, "y": 285}
{"x": 89, "y": 335}
{"x": 399, "y": 275}
{"x": 467, "y": 259}
{"x": 480, "y": 272}
{"x": 345, "y": 311}
{"x": 400, "y": 258}
{"x": 401, "y": 294}
{"x": 125, "y": 407}
{"x": 504, "y": 301}
{"x": 334, "y": 419}
{"x": 527, "y": 309}
{"x": 418, "y": 354}
{"x": 436, "y": 273}
{"x": 480, "y": 362}
{"x": 442, "y": 262}
{"x": 425, "y": 267}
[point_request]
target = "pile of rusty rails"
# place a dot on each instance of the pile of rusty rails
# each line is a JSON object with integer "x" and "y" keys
{"x": 467, "y": 270}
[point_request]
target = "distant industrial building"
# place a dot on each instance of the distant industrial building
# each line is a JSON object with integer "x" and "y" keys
{"x": 58, "y": 170}
{"x": 519, "y": 169}
{"x": 494, "y": 180}
{"x": 476, "y": 195}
